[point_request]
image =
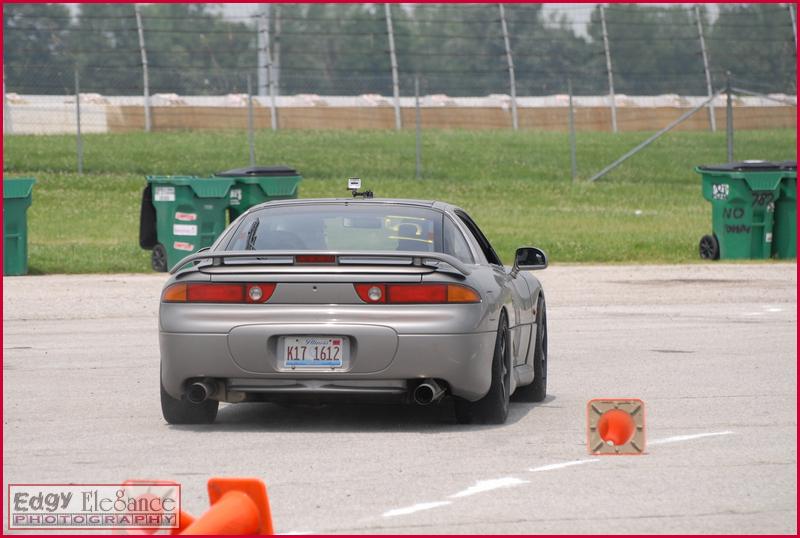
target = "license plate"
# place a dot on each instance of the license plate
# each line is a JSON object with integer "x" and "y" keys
{"x": 313, "y": 351}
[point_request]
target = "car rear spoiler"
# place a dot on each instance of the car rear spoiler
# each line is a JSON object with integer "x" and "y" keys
{"x": 433, "y": 260}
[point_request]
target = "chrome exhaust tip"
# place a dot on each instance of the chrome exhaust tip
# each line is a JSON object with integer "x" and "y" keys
{"x": 427, "y": 392}
{"x": 200, "y": 391}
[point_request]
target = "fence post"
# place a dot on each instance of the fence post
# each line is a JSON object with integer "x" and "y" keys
{"x": 8, "y": 127}
{"x": 712, "y": 118}
{"x": 794, "y": 25}
{"x": 398, "y": 122}
{"x": 419, "y": 128}
{"x": 145, "y": 75}
{"x": 573, "y": 159}
{"x": 276, "y": 50}
{"x": 611, "y": 94}
{"x": 511, "y": 81}
{"x": 79, "y": 140}
{"x": 729, "y": 115}
{"x": 262, "y": 29}
{"x": 683, "y": 117}
{"x": 273, "y": 109}
{"x": 250, "y": 128}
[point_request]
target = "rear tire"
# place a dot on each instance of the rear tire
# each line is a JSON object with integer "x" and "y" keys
{"x": 492, "y": 408}
{"x": 184, "y": 412}
{"x": 537, "y": 390}
{"x": 158, "y": 258}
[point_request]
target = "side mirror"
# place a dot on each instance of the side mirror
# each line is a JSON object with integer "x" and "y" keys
{"x": 530, "y": 259}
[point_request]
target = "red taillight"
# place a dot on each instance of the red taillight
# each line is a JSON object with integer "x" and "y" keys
{"x": 416, "y": 293}
{"x": 371, "y": 293}
{"x": 314, "y": 258}
{"x": 201, "y": 292}
{"x": 215, "y": 293}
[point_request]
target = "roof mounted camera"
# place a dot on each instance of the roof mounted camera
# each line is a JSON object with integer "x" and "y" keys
{"x": 353, "y": 184}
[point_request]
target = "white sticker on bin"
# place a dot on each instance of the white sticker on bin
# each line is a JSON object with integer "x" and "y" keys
{"x": 180, "y": 245}
{"x": 185, "y": 216}
{"x": 164, "y": 194}
{"x": 236, "y": 196}
{"x": 184, "y": 229}
{"x": 768, "y": 238}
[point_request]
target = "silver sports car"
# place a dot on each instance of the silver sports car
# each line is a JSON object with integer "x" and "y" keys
{"x": 311, "y": 300}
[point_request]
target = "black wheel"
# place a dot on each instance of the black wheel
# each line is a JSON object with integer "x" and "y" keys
{"x": 709, "y": 247}
{"x": 184, "y": 412}
{"x": 158, "y": 259}
{"x": 492, "y": 408}
{"x": 537, "y": 390}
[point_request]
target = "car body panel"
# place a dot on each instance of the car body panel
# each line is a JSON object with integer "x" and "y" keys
{"x": 390, "y": 345}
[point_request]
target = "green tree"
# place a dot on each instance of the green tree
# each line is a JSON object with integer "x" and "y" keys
{"x": 755, "y": 43}
{"x": 35, "y": 40}
{"x": 654, "y": 50}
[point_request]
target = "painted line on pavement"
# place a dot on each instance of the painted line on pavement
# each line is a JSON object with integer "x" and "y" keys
{"x": 555, "y": 466}
{"x": 482, "y": 486}
{"x": 679, "y": 438}
{"x": 414, "y": 508}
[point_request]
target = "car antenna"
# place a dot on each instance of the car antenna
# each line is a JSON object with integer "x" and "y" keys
{"x": 353, "y": 184}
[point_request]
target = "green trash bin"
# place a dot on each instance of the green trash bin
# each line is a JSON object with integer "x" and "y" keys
{"x": 743, "y": 198}
{"x": 784, "y": 233}
{"x": 16, "y": 201}
{"x": 180, "y": 215}
{"x": 258, "y": 184}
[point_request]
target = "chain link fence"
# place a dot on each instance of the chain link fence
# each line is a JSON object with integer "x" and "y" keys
{"x": 116, "y": 68}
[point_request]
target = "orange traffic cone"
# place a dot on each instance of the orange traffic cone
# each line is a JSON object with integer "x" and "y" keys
{"x": 185, "y": 520}
{"x": 153, "y": 490}
{"x": 238, "y": 506}
{"x": 616, "y": 426}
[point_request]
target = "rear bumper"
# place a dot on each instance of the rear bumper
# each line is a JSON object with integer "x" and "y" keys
{"x": 382, "y": 361}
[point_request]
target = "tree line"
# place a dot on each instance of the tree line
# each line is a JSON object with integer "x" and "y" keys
{"x": 192, "y": 49}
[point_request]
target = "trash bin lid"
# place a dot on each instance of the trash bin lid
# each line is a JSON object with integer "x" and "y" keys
{"x": 259, "y": 171}
{"x": 751, "y": 166}
{"x": 18, "y": 188}
{"x": 212, "y": 187}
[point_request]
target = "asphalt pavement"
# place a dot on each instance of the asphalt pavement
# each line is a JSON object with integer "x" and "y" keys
{"x": 710, "y": 349}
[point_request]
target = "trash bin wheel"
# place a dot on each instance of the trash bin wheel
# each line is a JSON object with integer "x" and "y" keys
{"x": 158, "y": 259}
{"x": 709, "y": 247}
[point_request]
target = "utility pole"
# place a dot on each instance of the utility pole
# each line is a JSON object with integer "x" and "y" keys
{"x": 794, "y": 24}
{"x": 145, "y": 75}
{"x": 398, "y": 122}
{"x": 511, "y": 82}
{"x": 709, "y": 89}
{"x": 611, "y": 95}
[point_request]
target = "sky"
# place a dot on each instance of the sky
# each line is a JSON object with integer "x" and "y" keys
{"x": 578, "y": 13}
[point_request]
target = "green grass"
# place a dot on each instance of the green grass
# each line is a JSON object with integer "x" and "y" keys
{"x": 516, "y": 186}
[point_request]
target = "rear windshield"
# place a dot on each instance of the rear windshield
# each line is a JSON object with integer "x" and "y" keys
{"x": 341, "y": 227}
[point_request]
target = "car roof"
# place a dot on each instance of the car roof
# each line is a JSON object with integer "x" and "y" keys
{"x": 387, "y": 201}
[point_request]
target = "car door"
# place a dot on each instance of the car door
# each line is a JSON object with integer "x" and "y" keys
{"x": 515, "y": 295}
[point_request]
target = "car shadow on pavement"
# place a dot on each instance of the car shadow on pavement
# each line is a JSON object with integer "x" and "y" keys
{"x": 339, "y": 417}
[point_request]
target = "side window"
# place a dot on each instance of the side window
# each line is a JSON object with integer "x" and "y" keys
{"x": 486, "y": 247}
{"x": 454, "y": 242}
